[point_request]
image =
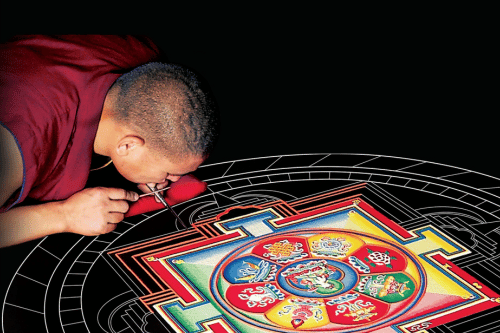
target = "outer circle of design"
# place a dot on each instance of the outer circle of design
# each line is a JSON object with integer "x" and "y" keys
{"x": 217, "y": 273}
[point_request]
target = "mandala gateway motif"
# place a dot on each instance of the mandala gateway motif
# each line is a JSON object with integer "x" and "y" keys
{"x": 316, "y": 264}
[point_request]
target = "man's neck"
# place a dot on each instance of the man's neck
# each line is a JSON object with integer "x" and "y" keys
{"x": 106, "y": 127}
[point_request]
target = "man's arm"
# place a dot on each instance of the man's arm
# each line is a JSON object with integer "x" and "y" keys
{"x": 11, "y": 165}
{"x": 90, "y": 212}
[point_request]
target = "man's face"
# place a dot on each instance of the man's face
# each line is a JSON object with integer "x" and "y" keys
{"x": 144, "y": 167}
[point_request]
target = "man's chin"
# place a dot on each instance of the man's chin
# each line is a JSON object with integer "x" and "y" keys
{"x": 129, "y": 178}
{"x": 134, "y": 180}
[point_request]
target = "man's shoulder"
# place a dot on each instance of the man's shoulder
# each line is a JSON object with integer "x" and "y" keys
{"x": 67, "y": 72}
{"x": 119, "y": 50}
{"x": 24, "y": 55}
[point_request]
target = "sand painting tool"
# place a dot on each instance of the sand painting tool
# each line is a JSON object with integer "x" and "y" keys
{"x": 154, "y": 192}
{"x": 162, "y": 200}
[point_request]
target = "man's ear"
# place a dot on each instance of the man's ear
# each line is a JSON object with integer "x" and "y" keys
{"x": 129, "y": 143}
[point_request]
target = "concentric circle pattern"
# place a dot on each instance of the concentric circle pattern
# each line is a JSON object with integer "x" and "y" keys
{"x": 325, "y": 280}
{"x": 54, "y": 282}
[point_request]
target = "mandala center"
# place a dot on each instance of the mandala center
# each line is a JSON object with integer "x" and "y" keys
{"x": 317, "y": 278}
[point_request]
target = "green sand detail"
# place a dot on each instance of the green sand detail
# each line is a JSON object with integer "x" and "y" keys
{"x": 189, "y": 317}
{"x": 198, "y": 274}
{"x": 257, "y": 317}
{"x": 337, "y": 287}
{"x": 377, "y": 283}
{"x": 222, "y": 286}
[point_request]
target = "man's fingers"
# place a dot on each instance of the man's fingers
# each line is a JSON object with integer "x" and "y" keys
{"x": 114, "y": 218}
{"x": 143, "y": 188}
{"x": 118, "y": 206}
{"x": 121, "y": 194}
{"x": 109, "y": 227}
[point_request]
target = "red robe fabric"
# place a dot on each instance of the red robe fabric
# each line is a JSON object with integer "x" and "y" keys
{"x": 52, "y": 89}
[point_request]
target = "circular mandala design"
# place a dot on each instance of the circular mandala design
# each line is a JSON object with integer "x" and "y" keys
{"x": 318, "y": 280}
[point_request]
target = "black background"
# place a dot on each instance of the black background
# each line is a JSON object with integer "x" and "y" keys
{"x": 303, "y": 84}
{"x": 299, "y": 86}
{"x": 297, "y": 89}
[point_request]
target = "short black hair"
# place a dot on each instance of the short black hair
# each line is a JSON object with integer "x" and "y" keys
{"x": 170, "y": 106}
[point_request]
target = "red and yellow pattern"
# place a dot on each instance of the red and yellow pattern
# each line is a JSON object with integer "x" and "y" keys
{"x": 338, "y": 266}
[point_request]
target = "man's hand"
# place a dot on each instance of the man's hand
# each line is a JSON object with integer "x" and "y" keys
{"x": 96, "y": 211}
{"x": 90, "y": 212}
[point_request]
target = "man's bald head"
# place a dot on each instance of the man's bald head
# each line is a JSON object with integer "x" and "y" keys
{"x": 170, "y": 107}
